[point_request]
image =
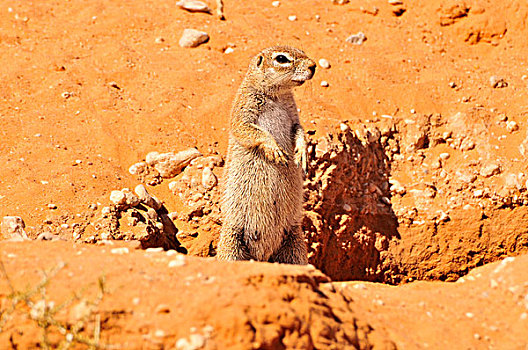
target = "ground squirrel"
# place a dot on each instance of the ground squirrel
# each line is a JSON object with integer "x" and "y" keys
{"x": 262, "y": 203}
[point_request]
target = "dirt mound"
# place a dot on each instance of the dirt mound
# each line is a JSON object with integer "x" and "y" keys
{"x": 253, "y": 305}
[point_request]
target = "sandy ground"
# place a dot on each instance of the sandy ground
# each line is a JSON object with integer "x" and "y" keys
{"x": 90, "y": 87}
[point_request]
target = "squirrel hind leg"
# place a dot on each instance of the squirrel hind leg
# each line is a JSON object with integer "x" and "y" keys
{"x": 293, "y": 249}
{"x": 231, "y": 246}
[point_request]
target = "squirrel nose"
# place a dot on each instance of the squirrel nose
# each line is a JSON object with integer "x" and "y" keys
{"x": 312, "y": 69}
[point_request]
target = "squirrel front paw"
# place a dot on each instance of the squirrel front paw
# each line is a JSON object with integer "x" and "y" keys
{"x": 300, "y": 154}
{"x": 273, "y": 152}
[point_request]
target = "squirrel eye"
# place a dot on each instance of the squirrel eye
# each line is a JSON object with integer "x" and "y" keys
{"x": 282, "y": 59}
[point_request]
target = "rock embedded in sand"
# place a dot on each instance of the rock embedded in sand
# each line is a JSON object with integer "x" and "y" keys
{"x": 323, "y": 63}
{"x": 118, "y": 197}
{"x": 193, "y": 6}
{"x": 152, "y": 158}
{"x": 13, "y": 228}
{"x": 490, "y": 170}
{"x": 512, "y": 126}
{"x": 171, "y": 164}
{"x": 138, "y": 168}
{"x": 194, "y": 342}
{"x": 208, "y": 179}
{"x": 356, "y": 39}
{"x": 193, "y": 38}
{"x": 146, "y": 198}
{"x": 119, "y": 251}
{"x": 131, "y": 199}
{"x": 497, "y": 82}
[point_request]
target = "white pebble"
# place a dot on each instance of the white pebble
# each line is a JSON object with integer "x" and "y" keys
{"x": 119, "y": 251}
{"x": 444, "y": 156}
{"x": 323, "y": 63}
{"x": 324, "y": 83}
{"x": 512, "y": 126}
{"x": 178, "y": 261}
{"x": 292, "y": 18}
{"x": 154, "y": 250}
{"x": 193, "y": 38}
{"x": 478, "y": 193}
{"x": 275, "y": 3}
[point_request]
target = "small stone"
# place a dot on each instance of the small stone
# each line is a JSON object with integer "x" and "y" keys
{"x": 275, "y": 3}
{"x": 152, "y": 158}
{"x": 159, "y": 333}
{"x": 159, "y": 40}
{"x": 343, "y": 127}
{"x": 497, "y": 82}
{"x": 444, "y": 156}
{"x": 292, "y": 18}
{"x": 178, "y": 261}
{"x": 396, "y": 187}
{"x": 442, "y": 216}
{"x": 340, "y": 2}
{"x": 466, "y": 178}
{"x": 52, "y": 206}
{"x": 324, "y": 83}
{"x": 469, "y": 315}
{"x": 162, "y": 309}
{"x": 130, "y": 198}
{"x": 146, "y": 198}
{"x": 46, "y": 236}
{"x": 118, "y": 197}
{"x": 490, "y": 170}
{"x": 478, "y": 193}
{"x": 512, "y": 126}
{"x": 356, "y": 39}
{"x": 171, "y": 164}
{"x": 106, "y": 210}
{"x": 138, "y": 168}
{"x": 209, "y": 179}
{"x": 66, "y": 95}
{"x": 347, "y": 207}
{"x": 229, "y": 50}
{"x": 193, "y": 38}
{"x": 193, "y": 6}
{"x": 119, "y": 251}
{"x": 154, "y": 250}
{"x": 13, "y": 228}
{"x": 395, "y": 2}
{"x": 323, "y": 63}
{"x": 152, "y": 214}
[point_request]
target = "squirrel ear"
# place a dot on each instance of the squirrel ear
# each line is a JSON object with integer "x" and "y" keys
{"x": 259, "y": 60}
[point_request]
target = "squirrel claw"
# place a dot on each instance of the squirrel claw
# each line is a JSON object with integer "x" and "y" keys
{"x": 274, "y": 153}
{"x": 301, "y": 161}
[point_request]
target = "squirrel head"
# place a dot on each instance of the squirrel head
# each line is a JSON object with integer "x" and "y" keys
{"x": 281, "y": 67}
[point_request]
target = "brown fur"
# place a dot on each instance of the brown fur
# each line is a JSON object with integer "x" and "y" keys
{"x": 262, "y": 204}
